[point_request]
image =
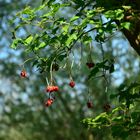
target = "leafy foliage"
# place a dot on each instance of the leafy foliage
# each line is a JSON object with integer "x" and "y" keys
{"x": 55, "y": 36}
{"x": 122, "y": 119}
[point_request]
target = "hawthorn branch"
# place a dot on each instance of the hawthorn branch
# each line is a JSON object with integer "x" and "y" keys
{"x": 83, "y": 33}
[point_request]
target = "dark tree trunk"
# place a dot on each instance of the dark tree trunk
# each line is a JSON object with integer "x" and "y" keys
{"x": 133, "y": 35}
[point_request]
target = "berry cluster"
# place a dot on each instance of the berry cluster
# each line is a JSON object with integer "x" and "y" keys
{"x": 52, "y": 88}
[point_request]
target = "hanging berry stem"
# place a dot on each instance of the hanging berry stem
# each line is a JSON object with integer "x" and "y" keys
{"x": 81, "y": 53}
{"x": 104, "y": 71}
{"x": 68, "y": 65}
{"x": 29, "y": 59}
{"x": 47, "y": 81}
{"x": 90, "y": 48}
{"x": 51, "y": 71}
{"x": 51, "y": 74}
{"x": 72, "y": 61}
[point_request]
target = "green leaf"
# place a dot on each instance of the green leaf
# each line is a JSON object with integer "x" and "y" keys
{"x": 42, "y": 45}
{"x": 61, "y": 57}
{"x": 70, "y": 39}
{"x": 115, "y": 14}
{"x": 102, "y": 115}
{"x": 16, "y": 42}
{"x": 27, "y": 10}
{"x": 87, "y": 39}
{"x": 126, "y": 25}
{"x": 65, "y": 29}
{"x": 102, "y": 64}
{"x": 29, "y": 39}
{"x": 126, "y": 7}
{"x": 56, "y": 7}
{"x": 119, "y": 118}
{"x": 74, "y": 18}
{"x": 119, "y": 14}
{"x": 117, "y": 109}
{"x": 111, "y": 70}
{"x": 93, "y": 72}
{"x": 50, "y": 2}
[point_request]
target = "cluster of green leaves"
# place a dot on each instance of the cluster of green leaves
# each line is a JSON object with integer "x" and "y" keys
{"x": 58, "y": 34}
{"x": 120, "y": 123}
{"x": 130, "y": 94}
{"x": 107, "y": 65}
{"x": 122, "y": 119}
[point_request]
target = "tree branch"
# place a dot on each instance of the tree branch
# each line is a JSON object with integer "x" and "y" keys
{"x": 133, "y": 35}
{"x": 133, "y": 40}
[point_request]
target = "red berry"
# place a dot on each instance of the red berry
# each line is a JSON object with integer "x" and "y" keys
{"x": 23, "y": 74}
{"x": 89, "y": 104}
{"x": 49, "y": 89}
{"x": 52, "y": 88}
{"x": 48, "y": 102}
{"x": 72, "y": 84}
{"x": 56, "y": 88}
{"x": 90, "y": 64}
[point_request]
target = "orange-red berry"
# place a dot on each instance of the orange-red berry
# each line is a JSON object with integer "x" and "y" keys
{"x": 23, "y": 74}
{"x": 52, "y": 88}
{"x": 48, "y": 102}
{"x": 72, "y": 84}
{"x": 55, "y": 88}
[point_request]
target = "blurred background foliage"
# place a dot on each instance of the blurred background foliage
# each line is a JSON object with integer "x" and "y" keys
{"x": 22, "y": 112}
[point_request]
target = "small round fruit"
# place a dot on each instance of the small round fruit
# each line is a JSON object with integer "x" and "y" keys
{"x": 56, "y": 88}
{"x": 89, "y": 104}
{"x": 23, "y": 74}
{"x": 90, "y": 64}
{"x": 49, "y": 89}
{"x": 72, "y": 84}
{"x": 48, "y": 102}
